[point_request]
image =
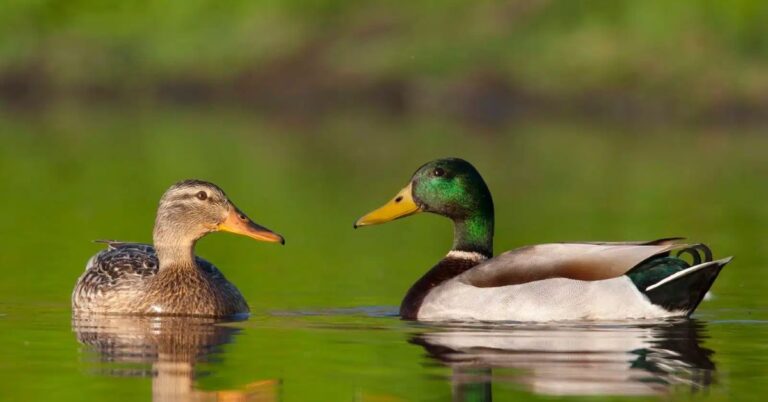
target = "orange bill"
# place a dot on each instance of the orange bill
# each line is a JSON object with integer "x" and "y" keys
{"x": 238, "y": 223}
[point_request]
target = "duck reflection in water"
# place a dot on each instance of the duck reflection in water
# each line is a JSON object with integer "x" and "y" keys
{"x": 166, "y": 349}
{"x": 573, "y": 359}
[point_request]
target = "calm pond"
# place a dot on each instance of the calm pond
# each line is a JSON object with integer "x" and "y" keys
{"x": 324, "y": 324}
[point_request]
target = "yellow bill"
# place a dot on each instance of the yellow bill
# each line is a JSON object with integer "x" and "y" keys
{"x": 400, "y": 206}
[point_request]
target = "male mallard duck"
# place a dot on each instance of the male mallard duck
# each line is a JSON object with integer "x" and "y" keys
{"x": 561, "y": 281}
{"x": 167, "y": 278}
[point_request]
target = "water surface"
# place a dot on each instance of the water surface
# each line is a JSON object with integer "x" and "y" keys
{"x": 369, "y": 355}
{"x": 323, "y": 325}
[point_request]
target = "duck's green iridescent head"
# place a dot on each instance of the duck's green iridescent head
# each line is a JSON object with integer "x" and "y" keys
{"x": 450, "y": 187}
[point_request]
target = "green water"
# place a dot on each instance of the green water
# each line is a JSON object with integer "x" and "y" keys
{"x": 323, "y": 324}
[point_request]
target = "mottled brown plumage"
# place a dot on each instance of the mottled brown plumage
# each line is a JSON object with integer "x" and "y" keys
{"x": 167, "y": 278}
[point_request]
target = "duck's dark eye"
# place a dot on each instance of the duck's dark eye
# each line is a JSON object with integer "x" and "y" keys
{"x": 438, "y": 172}
{"x": 201, "y": 195}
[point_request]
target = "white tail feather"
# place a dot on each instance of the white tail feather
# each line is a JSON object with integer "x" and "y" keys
{"x": 688, "y": 271}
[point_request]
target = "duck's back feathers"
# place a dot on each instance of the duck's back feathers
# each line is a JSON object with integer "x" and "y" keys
{"x": 657, "y": 242}
{"x": 121, "y": 278}
{"x": 121, "y": 265}
{"x": 124, "y": 260}
{"x": 582, "y": 261}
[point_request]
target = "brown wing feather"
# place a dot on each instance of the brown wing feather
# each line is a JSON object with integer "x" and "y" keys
{"x": 658, "y": 242}
{"x": 582, "y": 261}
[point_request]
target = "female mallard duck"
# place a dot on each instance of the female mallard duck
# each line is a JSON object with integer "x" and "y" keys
{"x": 167, "y": 278}
{"x": 561, "y": 281}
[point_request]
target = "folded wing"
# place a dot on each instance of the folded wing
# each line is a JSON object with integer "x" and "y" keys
{"x": 582, "y": 261}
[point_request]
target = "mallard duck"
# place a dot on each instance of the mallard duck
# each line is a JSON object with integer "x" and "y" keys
{"x": 545, "y": 282}
{"x": 166, "y": 278}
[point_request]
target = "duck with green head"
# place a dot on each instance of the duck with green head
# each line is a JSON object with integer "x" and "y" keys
{"x": 557, "y": 281}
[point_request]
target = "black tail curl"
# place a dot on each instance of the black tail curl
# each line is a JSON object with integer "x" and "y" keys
{"x": 697, "y": 252}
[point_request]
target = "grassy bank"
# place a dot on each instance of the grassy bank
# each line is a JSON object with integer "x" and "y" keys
{"x": 480, "y": 62}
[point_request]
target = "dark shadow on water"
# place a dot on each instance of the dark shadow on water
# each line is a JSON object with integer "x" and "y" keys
{"x": 167, "y": 350}
{"x": 573, "y": 359}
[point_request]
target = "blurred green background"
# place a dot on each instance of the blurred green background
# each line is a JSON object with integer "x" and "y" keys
{"x": 698, "y": 60}
{"x": 590, "y": 120}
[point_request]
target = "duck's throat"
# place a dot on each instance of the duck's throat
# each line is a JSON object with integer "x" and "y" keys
{"x": 474, "y": 234}
{"x": 176, "y": 252}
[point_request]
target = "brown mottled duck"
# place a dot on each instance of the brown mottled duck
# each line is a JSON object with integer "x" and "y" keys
{"x": 166, "y": 278}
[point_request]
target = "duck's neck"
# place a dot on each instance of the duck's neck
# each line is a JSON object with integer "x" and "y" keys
{"x": 472, "y": 244}
{"x": 474, "y": 233}
{"x": 174, "y": 251}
